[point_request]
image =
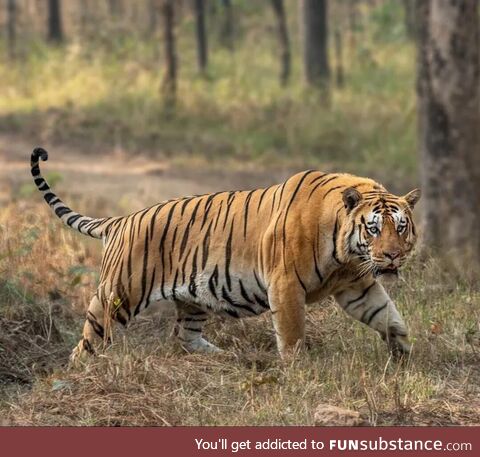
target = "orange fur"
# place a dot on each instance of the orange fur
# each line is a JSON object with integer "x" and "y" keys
{"x": 245, "y": 252}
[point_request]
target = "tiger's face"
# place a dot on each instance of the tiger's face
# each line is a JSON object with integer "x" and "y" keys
{"x": 382, "y": 229}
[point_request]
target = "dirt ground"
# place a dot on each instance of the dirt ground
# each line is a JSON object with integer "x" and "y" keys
{"x": 114, "y": 175}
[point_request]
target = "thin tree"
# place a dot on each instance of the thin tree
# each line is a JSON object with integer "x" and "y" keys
{"x": 352, "y": 22}
{"x": 55, "y": 27}
{"x": 448, "y": 89}
{"x": 115, "y": 7}
{"x": 11, "y": 28}
{"x": 227, "y": 31}
{"x": 152, "y": 15}
{"x": 169, "y": 85}
{"x": 84, "y": 16}
{"x": 202, "y": 45}
{"x": 409, "y": 17}
{"x": 283, "y": 39}
{"x": 339, "y": 71}
{"x": 315, "y": 33}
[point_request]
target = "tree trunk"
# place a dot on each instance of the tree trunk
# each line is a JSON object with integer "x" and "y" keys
{"x": 352, "y": 23}
{"x": 283, "y": 39}
{"x": 116, "y": 8}
{"x": 84, "y": 16}
{"x": 202, "y": 46}
{"x": 409, "y": 20}
{"x": 169, "y": 85}
{"x": 152, "y": 15}
{"x": 339, "y": 72}
{"x": 315, "y": 50}
{"x": 227, "y": 32}
{"x": 449, "y": 125}
{"x": 55, "y": 29}
{"x": 11, "y": 28}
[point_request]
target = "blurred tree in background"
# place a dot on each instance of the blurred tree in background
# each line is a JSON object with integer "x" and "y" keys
{"x": 283, "y": 40}
{"x": 449, "y": 114}
{"x": 169, "y": 85}
{"x": 11, "y": 27}
{"x": 55, "y": 27}
{"x": 201, "y": 32}
{"x": 227, "y": 35}
{"x": 315, "y": 36}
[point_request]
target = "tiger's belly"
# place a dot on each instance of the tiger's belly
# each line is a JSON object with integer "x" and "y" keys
{"x": 239, "y": 297}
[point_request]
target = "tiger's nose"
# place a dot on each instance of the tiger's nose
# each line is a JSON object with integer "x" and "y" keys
{"x": 392, "y": 255}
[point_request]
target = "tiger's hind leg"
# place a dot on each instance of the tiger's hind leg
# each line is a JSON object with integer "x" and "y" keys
{"x": 93, "y": 332}
{"x": 190, "y": 322}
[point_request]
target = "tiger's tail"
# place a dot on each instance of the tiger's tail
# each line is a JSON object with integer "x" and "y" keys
{"x": 87, "y": 225}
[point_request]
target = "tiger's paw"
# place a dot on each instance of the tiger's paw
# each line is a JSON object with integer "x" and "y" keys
{"x": 80, "y": 353}
{"x": 200, "y": 345}
{"x": 398, "y": 344}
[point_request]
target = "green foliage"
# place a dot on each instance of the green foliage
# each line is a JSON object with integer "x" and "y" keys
{"x": 386, "y": 22}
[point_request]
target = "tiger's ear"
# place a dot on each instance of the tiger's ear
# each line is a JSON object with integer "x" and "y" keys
{"x": 412, "y": 197}
{"x": 351, "y": 198}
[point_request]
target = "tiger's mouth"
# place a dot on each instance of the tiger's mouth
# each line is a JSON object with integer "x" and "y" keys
{"x": 390, "y": 270}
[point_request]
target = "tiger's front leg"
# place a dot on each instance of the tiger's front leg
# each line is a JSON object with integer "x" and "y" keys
{"x": 369, "y": 303}
{"x": 287, "y": 303}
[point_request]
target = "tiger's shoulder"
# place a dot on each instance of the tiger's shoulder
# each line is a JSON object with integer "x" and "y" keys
{"x": 315, "y": 185}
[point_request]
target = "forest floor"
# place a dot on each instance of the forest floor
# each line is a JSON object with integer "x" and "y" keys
{"x": 48, "y": 273}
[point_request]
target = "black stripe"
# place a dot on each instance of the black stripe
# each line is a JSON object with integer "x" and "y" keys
{"x": 218, "y": 215}
{"x": 153, "y": 219}
{"x": 62, "y": 211}
{"x": 300, "y": 280}
{"x": 192, "y": 287}
{"x": 72, "y": 219}
{"x": 174, "y": 287}
{"x": 230, "y": 301}
{"x": 245, "y": 214}
{"x": 370, "y": 319}
{"x": 287, "y": 211}
{"x": 190, "y": 329}
{"x": 321, "y": 183}
{"x": 183, "y": 244}
{"x": 261, "y": 302}
{"x": 230, "y": 199}
{"x": 186, "y": 201}
{"x": 208, "y": 206}
{"x": 334, "y": 239}
{"x": 98, "y": 329}
{"x": 206, "y": 246}
{"x": 259, "y": 284}
{"x": 49, "y": 197}
{"x": 332, "y": 189}
{"x": 244, "y": 294}
{"x": 228, "y": 256}
{"x": 213, "y": 281}
{"x": 161, "y": 247}
{"x": 152, "y": 281}
{"x": 362, "y": 295}
{"x": 261, "y": 197}
{"x": 144, "y": 272}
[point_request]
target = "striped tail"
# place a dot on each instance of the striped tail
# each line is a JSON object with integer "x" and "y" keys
{"x": 86, "y": 225}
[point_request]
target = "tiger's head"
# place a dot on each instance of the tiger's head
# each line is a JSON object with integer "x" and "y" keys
{"x": 381, "y": 231}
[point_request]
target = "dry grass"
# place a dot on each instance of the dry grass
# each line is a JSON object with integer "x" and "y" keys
{"x": 145, "y": 378}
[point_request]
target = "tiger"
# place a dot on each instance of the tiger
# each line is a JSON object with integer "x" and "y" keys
{"x": 242, "y": 253}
